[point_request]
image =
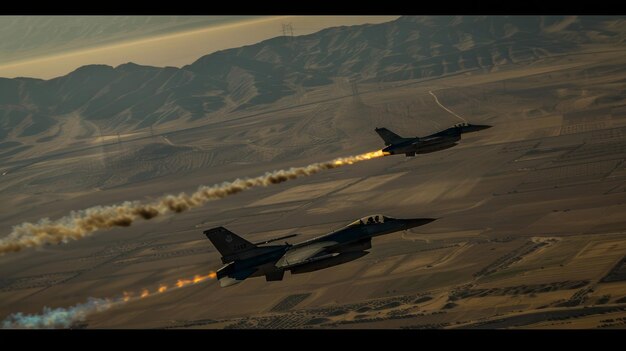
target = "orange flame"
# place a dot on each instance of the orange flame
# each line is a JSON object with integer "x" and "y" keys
{"x": 163, "y": 287}
{"x": 366, "y": 156}
{"x": 182, "y": 282}
{"x": 201, "y": 278}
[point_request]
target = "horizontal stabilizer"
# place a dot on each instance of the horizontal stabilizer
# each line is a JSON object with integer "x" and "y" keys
{"x": 275, "y": 276}
{"x": 235, "y": 278}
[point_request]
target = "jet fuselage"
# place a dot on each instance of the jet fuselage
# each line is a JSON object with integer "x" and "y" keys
{"x": 244, "y": 259}
{"x": 442, "y": 140}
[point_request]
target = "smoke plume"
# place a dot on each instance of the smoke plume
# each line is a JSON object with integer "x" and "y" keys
{"x": 58, "y": 317}
{"x": 79, "y": 224}
{"x": 71, "y": 316}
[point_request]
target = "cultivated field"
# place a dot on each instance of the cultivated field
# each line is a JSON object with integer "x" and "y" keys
{"x": 532, "y": 232}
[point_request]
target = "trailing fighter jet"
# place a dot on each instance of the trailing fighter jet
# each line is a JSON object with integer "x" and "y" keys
{"x": 442, "y": 140}
{"x": 244, "y": 259}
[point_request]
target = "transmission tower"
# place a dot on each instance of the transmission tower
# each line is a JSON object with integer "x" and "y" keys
{"x": 102, "y": 149}
{"x": 288, "y": 29}
{"x": 355, "y": 89}
{"x": 355, "y": 92}
{"x": 288, "y": 32}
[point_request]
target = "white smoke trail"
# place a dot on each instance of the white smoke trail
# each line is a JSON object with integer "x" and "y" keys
{"x": 68, "y": 317}
{"x": 82, "y": 223}
{"x": 58, "y": 317}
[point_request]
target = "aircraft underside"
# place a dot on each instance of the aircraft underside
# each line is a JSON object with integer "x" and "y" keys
{"x": 430, "y": 148}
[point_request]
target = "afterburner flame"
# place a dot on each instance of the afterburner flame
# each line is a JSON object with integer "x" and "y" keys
{"x": 362, "y": 157}
{"x": 200, "y": 278}
{"x": 126, "y": 297}
{"x": 182, "y": 282}
{"x": 80, "y": 224}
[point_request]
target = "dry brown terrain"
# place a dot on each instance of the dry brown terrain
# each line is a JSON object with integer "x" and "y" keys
{"x": 532, "y": 231}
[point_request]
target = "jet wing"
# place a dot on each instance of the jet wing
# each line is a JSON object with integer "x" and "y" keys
{"x": 430, "y": 138}
{"x": 303, "y": 254}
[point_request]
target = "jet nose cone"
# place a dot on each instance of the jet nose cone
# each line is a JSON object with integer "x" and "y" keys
{"x": 416, "y": 222}
{"x": 482, "y": 126}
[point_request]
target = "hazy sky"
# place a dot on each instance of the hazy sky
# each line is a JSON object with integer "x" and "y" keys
{"x": 51, "y": 46}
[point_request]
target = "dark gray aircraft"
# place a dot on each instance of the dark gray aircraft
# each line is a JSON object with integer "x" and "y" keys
{"x": 244, "y": 259}
{"x": 442, "y": 140}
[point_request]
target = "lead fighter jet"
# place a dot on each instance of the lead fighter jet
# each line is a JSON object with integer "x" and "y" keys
{"x": 442, "y": 140}
{"x": 244, "y": 259}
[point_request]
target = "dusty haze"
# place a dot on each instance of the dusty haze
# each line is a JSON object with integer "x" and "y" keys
{"x": 531, "y": 230}
{"x": 154, "y": 41}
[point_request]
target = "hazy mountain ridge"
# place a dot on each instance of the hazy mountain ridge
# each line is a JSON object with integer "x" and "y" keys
{"x": 29, "y": 36}
{"x": 131, "y": 96}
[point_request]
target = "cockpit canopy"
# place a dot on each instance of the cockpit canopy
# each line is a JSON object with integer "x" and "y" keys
{"x": 372, "y": 219}
{"x": 462, "y": 124}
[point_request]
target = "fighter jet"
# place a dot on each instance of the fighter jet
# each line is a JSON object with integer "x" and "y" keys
{"x": 244, "y": 259}
{"x": 442, "y": 140}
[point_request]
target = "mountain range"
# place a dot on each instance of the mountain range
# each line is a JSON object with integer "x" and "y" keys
{"x": 132, "y": 96}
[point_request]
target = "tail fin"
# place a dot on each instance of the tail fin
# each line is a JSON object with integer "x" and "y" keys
{"x": 388, "y": 136}
{"x": 228, "y": 243}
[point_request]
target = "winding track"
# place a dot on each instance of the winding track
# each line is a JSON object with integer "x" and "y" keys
{"x": 445, "y": 108}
